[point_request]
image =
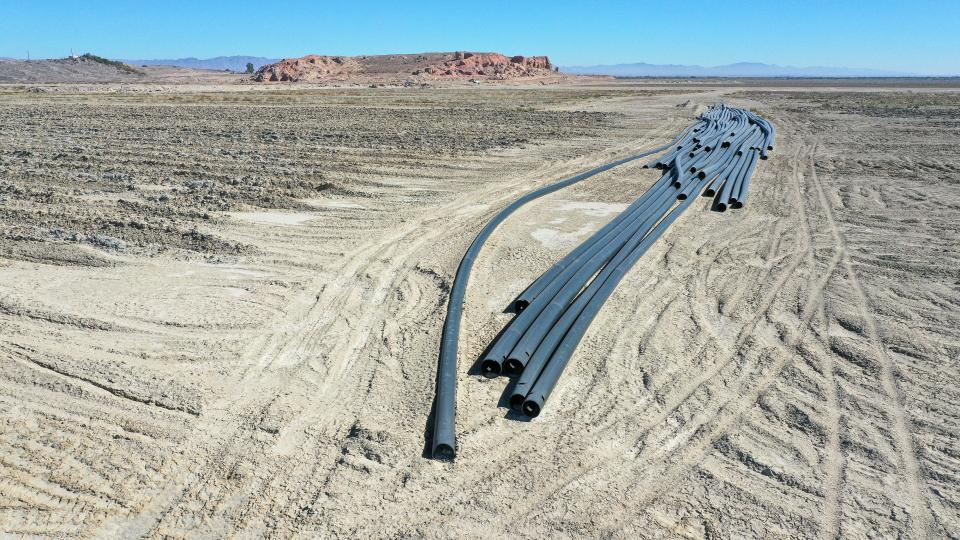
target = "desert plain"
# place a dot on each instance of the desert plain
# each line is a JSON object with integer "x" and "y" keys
{"x": 220, "y": 310}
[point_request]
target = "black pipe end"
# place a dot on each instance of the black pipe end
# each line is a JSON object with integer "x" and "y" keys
{"x": 444, "y": 452}
{"x": 531, "y": 409}
{"x": 520, "y": 305}
{"x": 516, "y": 402}
{"x": 709, "y": 192}
{"x": 682, "y": 197}
{"x": 721, "y": 207}
{"x": 693, "y": 169}
{"x": 512, "y": 366}
{"x": 770, "y": 147}
{"x": 736, "y": 205}
{"x": 490, "y": 368}
{"x": 701, "y": 175}
{"x": 677, "y": 184}
{"x": 763, "y": 157}
{"x": 707, "y": 148}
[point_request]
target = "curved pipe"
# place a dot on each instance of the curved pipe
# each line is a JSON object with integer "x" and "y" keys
{"x": 533, "y": 404}
{"x": 444, "y": 444}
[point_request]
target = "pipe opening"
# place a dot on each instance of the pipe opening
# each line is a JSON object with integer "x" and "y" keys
{"x": 512, "y": 366}
{"x": 677, "y": 184}
{"x": 531, "y": 409}
{"x": 681, "y": 197}
{"x": 736, "y": 204}
{"x": 443, "y": 451}
{"x": 709, "y": 192}
{"x": 721, "y": 207}
{"x": 490, "y": 368}
{"x": 520, "y": 305}
{"x": 701, "y": 175}
{"x": 516, "y": 401}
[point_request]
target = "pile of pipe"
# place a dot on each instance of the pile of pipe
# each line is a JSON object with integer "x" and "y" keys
{"x": 716, "y": 157}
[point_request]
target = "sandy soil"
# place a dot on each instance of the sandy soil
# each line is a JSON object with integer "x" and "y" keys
{"x": 220, "y": 313}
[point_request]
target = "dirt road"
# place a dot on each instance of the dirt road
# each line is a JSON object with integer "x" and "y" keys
{"x": 258, "y": 358}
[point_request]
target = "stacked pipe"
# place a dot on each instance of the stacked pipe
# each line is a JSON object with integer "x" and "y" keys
{"x": 715, "y": 156}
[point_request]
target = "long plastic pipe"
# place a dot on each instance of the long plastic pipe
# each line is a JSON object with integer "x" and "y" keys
{"x": 532, "y": 337}
{"x": 585, "y": 265}
{"x": 444, "y": 445}
{"x": 541, "y": 282}
{"x": 492, "y": 363}
{"x": 547, "y": 381}
{"x": 549, "y": 343}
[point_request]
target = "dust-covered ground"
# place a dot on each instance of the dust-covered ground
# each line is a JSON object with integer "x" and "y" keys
{"x": 220, "y": 312}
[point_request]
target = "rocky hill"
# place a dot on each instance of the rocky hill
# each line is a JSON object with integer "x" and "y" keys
{"x": 84, "y": 68}
{"x": 405, "y": 67}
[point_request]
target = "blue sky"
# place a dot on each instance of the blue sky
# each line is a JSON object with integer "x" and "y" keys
{"x": 916, "y": 36}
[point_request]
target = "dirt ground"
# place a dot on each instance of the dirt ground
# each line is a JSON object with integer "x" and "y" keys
{"x": 220, "y": 311}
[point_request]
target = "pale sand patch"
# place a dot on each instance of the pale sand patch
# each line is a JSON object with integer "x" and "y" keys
{"x": 591, "y": 208}
{"x": 331, "y": 203}
{"x": 273, "y": 217}
{"x": 554, "y": 239}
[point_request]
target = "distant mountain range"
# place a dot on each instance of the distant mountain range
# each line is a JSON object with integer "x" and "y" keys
{"x": 220, "y": 63}
{"x": 741, "y": 69}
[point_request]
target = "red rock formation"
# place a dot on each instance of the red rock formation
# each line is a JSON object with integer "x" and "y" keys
{"x": 397, "y": 67}
{"x": 491, "y": 65}
{"x": 309, "y": 68}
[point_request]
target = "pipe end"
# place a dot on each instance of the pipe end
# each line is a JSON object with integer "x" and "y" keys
{"x": 516, "y": 402}
{"x": 520, "y": 305}
{"x": 444, "y": 452}
{"x": 721, "y": 207}
{"x": 490, "y": 368}
{"x": 736, "y": 205}
{"x": 701, "y": 175}
{"x": 512, "y": 366}
{"x": 709, "y": 192}
{"x": 681, "y": 196}
{"x": 531, "y": 409}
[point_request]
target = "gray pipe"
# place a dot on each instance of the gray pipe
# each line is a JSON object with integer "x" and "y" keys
{"x": 547, "y": 381}
{"x": 445, "y": 403}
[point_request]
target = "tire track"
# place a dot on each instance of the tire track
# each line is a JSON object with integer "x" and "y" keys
{"x": 675, "y": 400}
{"x": 230, "y": 425}
{"x": 900, "y": 423}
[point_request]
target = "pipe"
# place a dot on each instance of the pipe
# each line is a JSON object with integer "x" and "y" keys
{"x": 532, "y": 337}
{"x": 531, "y": 292}
{"x": 547, "y": 381}
{"x": 445, "y": 402}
